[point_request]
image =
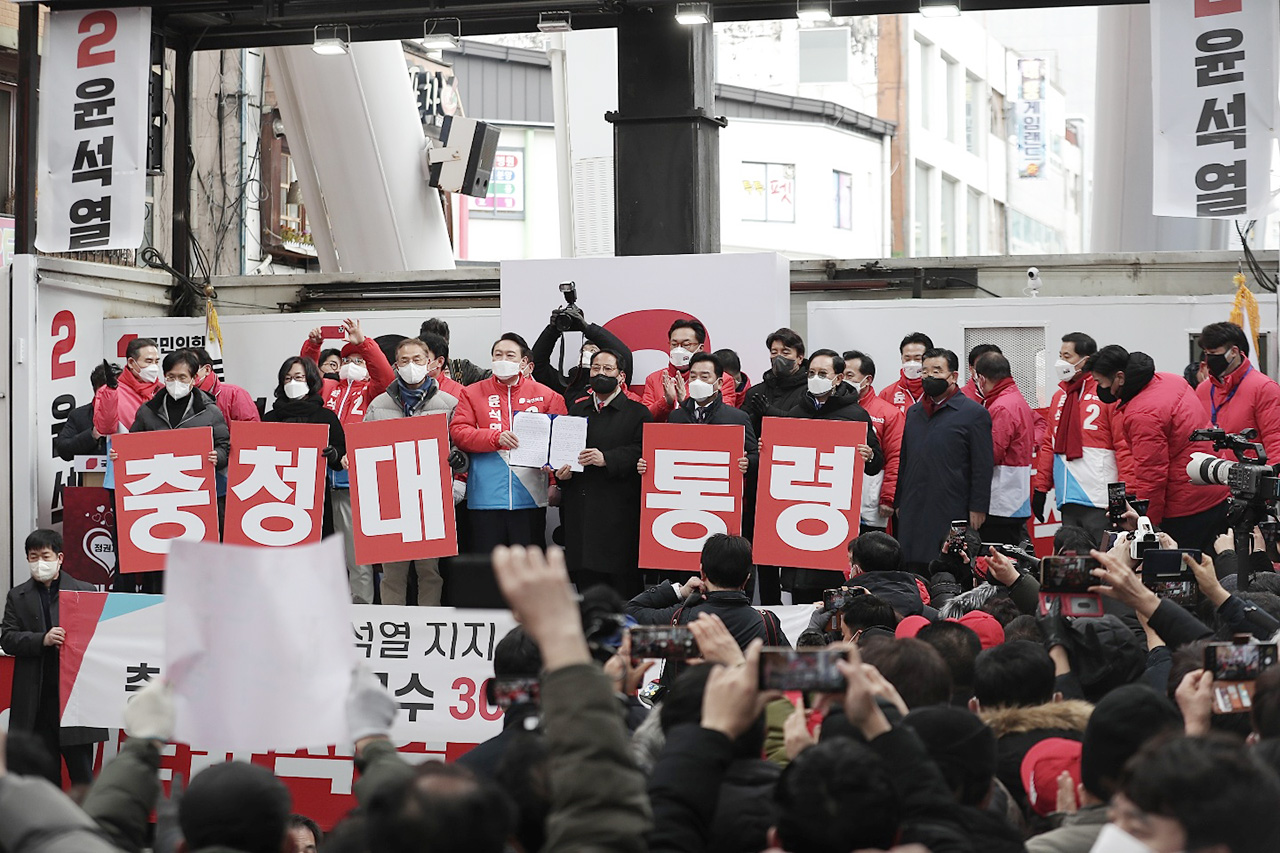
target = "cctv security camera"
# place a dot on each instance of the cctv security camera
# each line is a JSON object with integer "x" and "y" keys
{"x": 1033, "y": 274}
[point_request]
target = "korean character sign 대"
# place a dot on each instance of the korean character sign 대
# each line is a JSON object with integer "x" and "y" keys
{"x": 275, "y": 494}
{"x": 164, "y": 491}
{"x": 401, "y": 489}
{"x": 692, "y": 489}
{"x": 808, "y": 503}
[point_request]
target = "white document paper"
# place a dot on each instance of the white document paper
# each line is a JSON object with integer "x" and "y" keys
{"x": 534, "y": 432}
{"x": 568, "y": 439}
{"x": 258, "y": 647}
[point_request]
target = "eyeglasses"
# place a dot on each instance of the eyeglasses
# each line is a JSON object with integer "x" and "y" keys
{"x": 417, "y": 359}
{"x": 353, "y": 359}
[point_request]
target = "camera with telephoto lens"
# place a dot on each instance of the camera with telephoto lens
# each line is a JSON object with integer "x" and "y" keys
{"x": 570, "y": 317}
{"x": 1248, "y": 481}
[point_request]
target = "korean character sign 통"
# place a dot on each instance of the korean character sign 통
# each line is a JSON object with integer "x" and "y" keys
{"x": 809, "y": 499}
{"x": 692, "y": 490}
{"x": 164, "y": 491}
{"x": 275, "y": 494}
{"x": 401, "y": 489}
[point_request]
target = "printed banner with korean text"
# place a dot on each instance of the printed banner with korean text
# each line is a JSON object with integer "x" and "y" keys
{"x": 1033, "y": 129}
{"x": 88, "y": 531}
{"x": 164, "y": 491}
{"x": 94, "y": 116}
{"x": 692, "y": 489}
{"x": 401, "y": 489}
{"x": 810, "y": 493}
{"x": 275, "y": 484}
{"x": 1215, "y": 72}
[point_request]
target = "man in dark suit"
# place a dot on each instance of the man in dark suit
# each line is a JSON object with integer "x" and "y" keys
{"x": 30, "y": 633}
{"x": 78, "y": 436}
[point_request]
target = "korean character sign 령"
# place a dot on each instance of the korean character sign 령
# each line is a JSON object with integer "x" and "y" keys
{"x": 275, "y": 494}
{"x": 808, "y": 503}
{"x": 401, "y": 489}
{"x": 164, "y": 491}
{"x": 692, "y": 489}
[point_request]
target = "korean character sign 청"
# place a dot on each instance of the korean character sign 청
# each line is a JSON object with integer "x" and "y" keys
{"x": 692, "y": 489}
{"x": 164, "y": 491}
{"x": 809, "y": 499}
{"x": 275, "y": 494}
{"x": 401, "y": 489}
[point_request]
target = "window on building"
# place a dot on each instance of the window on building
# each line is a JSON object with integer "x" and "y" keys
{"x": 921, "y": 217}
{"x": 947, "y": 232}
{"x": 824, "y": 55}
{"x": 972, "y": 110}
{"x": 973, "y": 223}
{"x": 769, "y": 192}
{"x": 844, "y": 199}
{"x": 954, "y": 84}
{"x": 997, "y": 115}
{"x": 285, "y": 231}
{"x": 923, "y": 77}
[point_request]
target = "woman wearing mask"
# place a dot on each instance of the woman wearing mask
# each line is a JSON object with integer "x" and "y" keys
{"x": 298, "y": 401}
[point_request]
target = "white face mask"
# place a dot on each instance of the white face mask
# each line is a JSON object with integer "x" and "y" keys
{"x": 680, "y": 357}
{"x": 585, "y": 361}
{"x": 178, "y": 390}
{"x": 912, "y": 369}
{"x": 412, "y": 374}
{"x": 296, "y": 389}
{"x": 700, "y": 390}
{"x": 819, "y": 385}
{"x": 43, "y": 570}
{"x": 860, "y": 387}
{"x": 353, "y": 372}
{"x": 505, "y": 369}
{"x": 1065, "y": 370}
{"x": 1113, "y": 839}
{"x": 150, "y": 373}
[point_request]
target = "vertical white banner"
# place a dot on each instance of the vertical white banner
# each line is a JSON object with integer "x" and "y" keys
{"x": 93, "y": 129}
{"x": 1215, "y": 72}
{"x": 1033, "y": 130}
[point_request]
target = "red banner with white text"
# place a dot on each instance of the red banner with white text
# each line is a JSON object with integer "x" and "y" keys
{"x": 275, "y": 484}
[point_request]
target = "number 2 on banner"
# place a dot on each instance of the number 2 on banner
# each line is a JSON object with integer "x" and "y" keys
{"x": 86, "y": 57}
{"x": 62, "y": 368}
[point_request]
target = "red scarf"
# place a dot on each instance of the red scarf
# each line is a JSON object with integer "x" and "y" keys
{"x": 914, "y": 387}
{"x": 995, "y": 392}
{"x": 1069, "y": 440}
{"x": 930, "y": 406}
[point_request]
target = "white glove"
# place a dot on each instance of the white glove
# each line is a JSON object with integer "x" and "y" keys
{"x": 150, "y": 713}
{"x": 370, "y": 708}
{"x": 459, "y": 491}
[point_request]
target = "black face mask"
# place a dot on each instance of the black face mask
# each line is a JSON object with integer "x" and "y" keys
{"x": 934, "y": 386}
{"x": 1106, "y": 395}
{"x": 603, "y": 385}
{"x": 335, "y": 377}
{"x": 783, "y": 366}
{"x": 1218, "y": 364}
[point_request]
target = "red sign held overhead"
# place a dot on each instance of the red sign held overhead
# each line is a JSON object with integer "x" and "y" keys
{"x": 810, "y": 494}
{"x": 401, "y": 489}
{"x": 692, "y": 489}
{"x": 275, "y": 484}
{"x": 164, "y": 491}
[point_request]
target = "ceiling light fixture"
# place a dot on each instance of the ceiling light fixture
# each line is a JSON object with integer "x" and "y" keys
{"x": 693, "y": 14}
{"x": 554, "y": 22}
{"x": 939, "y": 8}
{"x": 436, "y": 33}
{"x": 814, "y": 11}
{"x": 332, "y": 39}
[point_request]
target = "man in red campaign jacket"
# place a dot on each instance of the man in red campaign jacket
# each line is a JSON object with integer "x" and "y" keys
{"x": 1238, "y": 396}
{"x": 877, "y": 491}
{"x": 116, "y": 403}
{"x": 971, "y": 389}
{"x": 906, "y": 392}
{"x": 365, "y": 372}
{"x": 667, "y": 388}
{"x": 1159, "y": 412}
{"x": 235, "y": 402}
{"x": 1013, "y": 446}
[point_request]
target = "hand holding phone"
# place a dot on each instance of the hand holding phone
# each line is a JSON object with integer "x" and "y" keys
{"x": 333, "y": 333}
{"x": 663, "y": 642}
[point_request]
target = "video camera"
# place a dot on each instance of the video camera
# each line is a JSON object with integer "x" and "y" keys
{"x": 569, "y": 318}
{"x": 1248, "y": 480}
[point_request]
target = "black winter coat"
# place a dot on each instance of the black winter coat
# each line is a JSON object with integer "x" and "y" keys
{"x": 600, "y": 507}
{"x": 76, "y": 437}
{"x": 311, "y": 410}
{"x": 22, "y": 635}
{"x": 843, "y": 405}
{"x": 201, "y": 411}
{"x": 574, "y": 386}
{"x": 718, "y": 414}
{"x": 781, "y": 394}
{"x": 659, "y": 605}
{"x": 944, "y": 473}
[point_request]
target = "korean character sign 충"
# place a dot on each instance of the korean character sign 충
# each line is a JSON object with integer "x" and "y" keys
{"x": 275, "y": 494}
{"x": 808, "y": 503}
{"x": 401, "y": 489}
{"x": 692, "y": 490}
{"x": 164, "y": 491}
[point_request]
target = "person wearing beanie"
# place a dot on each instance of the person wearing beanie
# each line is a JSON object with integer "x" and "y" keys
{"x": 1043, "y": 766}
{"x": 1121, "y": 723}
{"x": 235, "y": 806}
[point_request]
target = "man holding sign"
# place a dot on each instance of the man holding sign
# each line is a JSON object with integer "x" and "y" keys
{"x": 600, "y": 506}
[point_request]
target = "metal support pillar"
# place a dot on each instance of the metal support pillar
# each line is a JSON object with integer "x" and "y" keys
{"x": 27, "y": 143}
{"x": 665, "y": 137}
{"x": 183, "y": 161}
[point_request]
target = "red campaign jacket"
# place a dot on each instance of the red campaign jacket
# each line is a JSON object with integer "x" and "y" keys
{"x": 656, "y": 401}
{"x": 1013, "y": 450}
{"x": 1245, "y": 399}
{"x": 235, "y": 403}
{"x": 904, "y": 394}
{"x": 1157, "y": 424}
{"x": 115, "y": 409}
{"x": 1106, "y": 456}
{"x": 349, "y": 399}
{"x": 888, "y": 422}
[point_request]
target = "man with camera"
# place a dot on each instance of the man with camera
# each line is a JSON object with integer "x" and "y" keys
{"x": 1236, "y": 396}
{"x": 575, "y": 384}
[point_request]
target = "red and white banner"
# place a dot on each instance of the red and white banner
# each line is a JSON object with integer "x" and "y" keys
{"x": 810, "y": 494}
{"x": 1215, "y": 67}
{"x": 275, "y": 484}
{"x": 164, "y": 491}
{"x": 692, "y": 490}
{"x": 94, "y": 116}
{"x": 401, "y": 489}
{"x": 88, "y": 530}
